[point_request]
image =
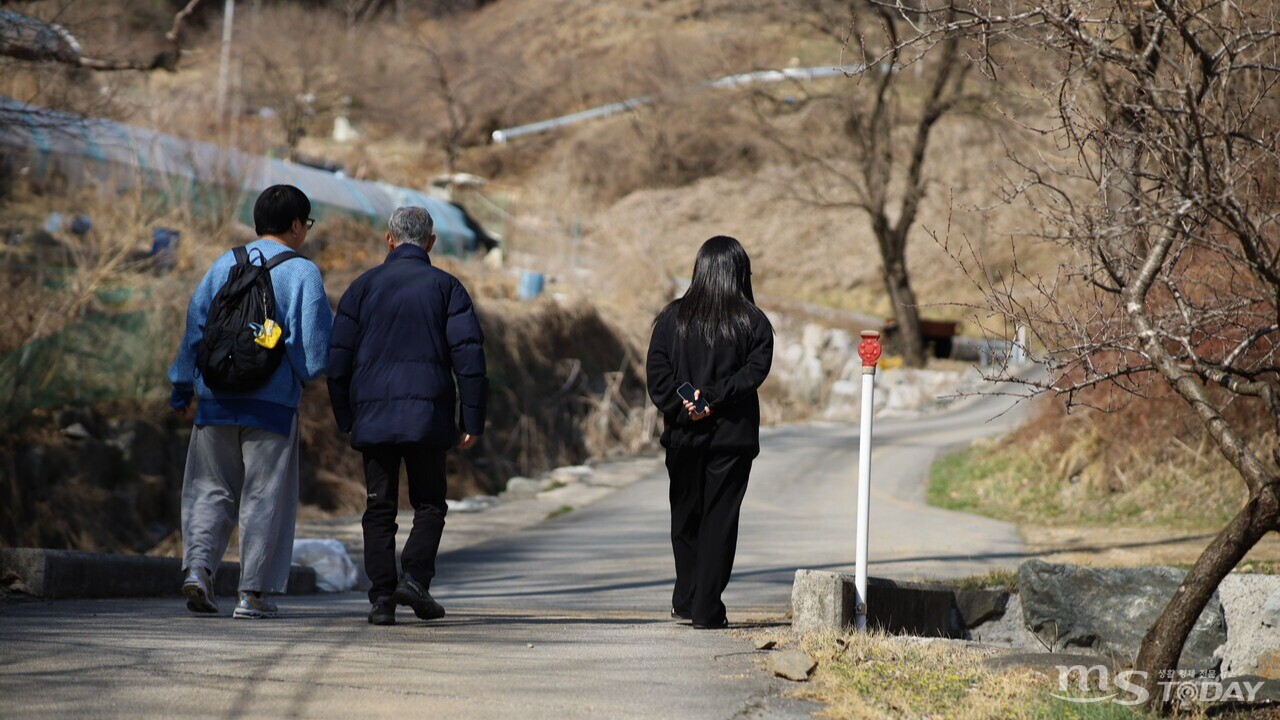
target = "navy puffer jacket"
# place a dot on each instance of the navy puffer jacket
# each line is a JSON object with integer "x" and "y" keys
{"x": 404, "y": 331}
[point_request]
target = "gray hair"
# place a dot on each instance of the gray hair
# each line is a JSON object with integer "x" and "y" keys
{"x": 411, "y": 225}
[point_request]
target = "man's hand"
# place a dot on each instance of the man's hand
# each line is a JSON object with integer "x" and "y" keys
{"x": 690, "y": 408}
{"x": 466, "y": 440}
{"x": 184, "y": 412}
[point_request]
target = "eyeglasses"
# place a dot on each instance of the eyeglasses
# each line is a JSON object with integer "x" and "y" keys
{"x": 310, "y": 223}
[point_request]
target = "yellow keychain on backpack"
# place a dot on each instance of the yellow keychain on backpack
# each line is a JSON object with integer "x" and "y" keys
{"x": 267, "y": 334}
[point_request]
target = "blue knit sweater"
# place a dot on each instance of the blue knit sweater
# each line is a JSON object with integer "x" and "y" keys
{"x": 302, "y": 310}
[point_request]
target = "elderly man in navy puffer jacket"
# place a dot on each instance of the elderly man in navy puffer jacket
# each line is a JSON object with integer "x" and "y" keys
{"x": 405, "y": 332}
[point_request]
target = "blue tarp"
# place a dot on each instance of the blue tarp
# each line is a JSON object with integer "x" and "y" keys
{"x": 77, "y": 149}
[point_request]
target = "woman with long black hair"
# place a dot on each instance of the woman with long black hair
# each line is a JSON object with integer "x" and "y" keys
{"x": 716, "y": 340}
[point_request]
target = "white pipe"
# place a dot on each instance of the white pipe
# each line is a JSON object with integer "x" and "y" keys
{"x": 869, "y": 350}
{"x": 614, "y": 108}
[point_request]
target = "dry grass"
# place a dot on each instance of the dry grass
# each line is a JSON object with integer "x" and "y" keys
{"x": 669, "y": 145}
{"x": 873, "y": 676}
{"x": 1149, "y": 464}
{"x": 663, "y": 179}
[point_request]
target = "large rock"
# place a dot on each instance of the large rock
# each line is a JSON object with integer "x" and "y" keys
{"x": 845, "y": 401}
{"x": 807, "y": 380}
{"x": 572, "y": 473}
{"x": 522, "y": 487}
{"x": 1108, "y": 610}
{"x": 1007, "y": 629}
{"x": 979, "y": 606}
{"x": 813, "y": 339}
{"x": 1251, "y": 604}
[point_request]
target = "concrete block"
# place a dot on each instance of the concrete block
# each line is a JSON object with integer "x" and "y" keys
{"x": 822, "y": 600}
{"x": 69, "y": 574}
{"x": 57, "y": 574}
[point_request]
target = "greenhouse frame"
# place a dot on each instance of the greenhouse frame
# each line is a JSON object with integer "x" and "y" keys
{"x": 56, "y": 146}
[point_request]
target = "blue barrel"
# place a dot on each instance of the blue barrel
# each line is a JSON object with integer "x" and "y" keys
{"x": 531, "y": 284}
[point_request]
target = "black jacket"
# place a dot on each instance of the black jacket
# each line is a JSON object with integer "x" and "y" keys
{"x": 404, "y": 331}
{"x": 728, "y": 374}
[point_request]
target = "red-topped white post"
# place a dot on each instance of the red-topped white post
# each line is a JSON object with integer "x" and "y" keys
{"x": 869, "y": 350}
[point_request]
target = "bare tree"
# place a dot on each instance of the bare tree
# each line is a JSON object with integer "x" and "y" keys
{"x": 457, "y": 80}
{"x": 1166, "y": 197}
{"x": 307, "y": 83}
{"x": 30, "y": 39}
{"x": 895, "y": 92}
{"x": 447, "y": 80}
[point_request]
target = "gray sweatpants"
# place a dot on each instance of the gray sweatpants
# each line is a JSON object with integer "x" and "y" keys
{"x": 236, "y": 470}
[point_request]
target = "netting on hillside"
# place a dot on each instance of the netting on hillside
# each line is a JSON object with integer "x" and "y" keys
{"x": 99, "y": 358}
{"x": 69, "y": 148}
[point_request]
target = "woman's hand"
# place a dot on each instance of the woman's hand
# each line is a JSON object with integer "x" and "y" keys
{"x": 690, "y": 408}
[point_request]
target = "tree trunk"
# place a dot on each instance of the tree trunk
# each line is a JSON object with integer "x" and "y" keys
{"x": 1162, "y": 645}
{"x": 906, "y": 311}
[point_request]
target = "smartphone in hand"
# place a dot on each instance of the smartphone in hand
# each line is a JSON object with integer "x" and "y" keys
{"x": 686, "y": 391}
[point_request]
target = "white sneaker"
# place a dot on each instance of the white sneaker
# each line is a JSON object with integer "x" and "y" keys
{"x": 254, "y": 606}
{"x": 198, "y": 589}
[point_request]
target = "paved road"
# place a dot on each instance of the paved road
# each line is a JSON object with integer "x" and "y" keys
{"x": 798, "y": 513}
{"x": 587, "y": 591}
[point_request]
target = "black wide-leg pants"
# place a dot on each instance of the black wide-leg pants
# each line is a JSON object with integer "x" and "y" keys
{"x": 425, "y": 469}
{"x": 707, "y": 488}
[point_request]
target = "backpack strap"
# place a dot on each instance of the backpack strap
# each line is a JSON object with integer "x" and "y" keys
{"x": 242, "y": 254}
{"x": 282, "y": 257}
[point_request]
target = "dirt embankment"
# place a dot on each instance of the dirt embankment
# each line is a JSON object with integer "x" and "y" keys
{"x": 92, "y": 457}
{"x": 566, "y": 385}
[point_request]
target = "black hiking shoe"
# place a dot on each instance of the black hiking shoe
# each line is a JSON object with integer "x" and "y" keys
{"x": 721, "y": 625}
{"x": 410, "y": 593}
{"x": 677, "y": 615}
{"x": 383, "y": 612}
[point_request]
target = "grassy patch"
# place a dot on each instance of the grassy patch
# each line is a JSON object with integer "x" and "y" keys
{"x": 874, "y": 676}
{"x": 555, "y": 485}
{"x": 562, "y": 510}
{"x": 1033, "y": 482}
{"x": 1007, "y": 579}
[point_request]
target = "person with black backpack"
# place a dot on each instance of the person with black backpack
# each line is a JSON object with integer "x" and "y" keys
{"x": 258, "y": 326}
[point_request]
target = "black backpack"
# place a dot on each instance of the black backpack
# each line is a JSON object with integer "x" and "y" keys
{"x": 228, "y": 358}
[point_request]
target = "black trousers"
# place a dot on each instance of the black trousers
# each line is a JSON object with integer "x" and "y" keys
{"x": 707, "y": 488}
{"x": 425, "y": 468}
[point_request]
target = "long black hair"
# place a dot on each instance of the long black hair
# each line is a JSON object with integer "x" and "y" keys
{"x": 719, "y": 301}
